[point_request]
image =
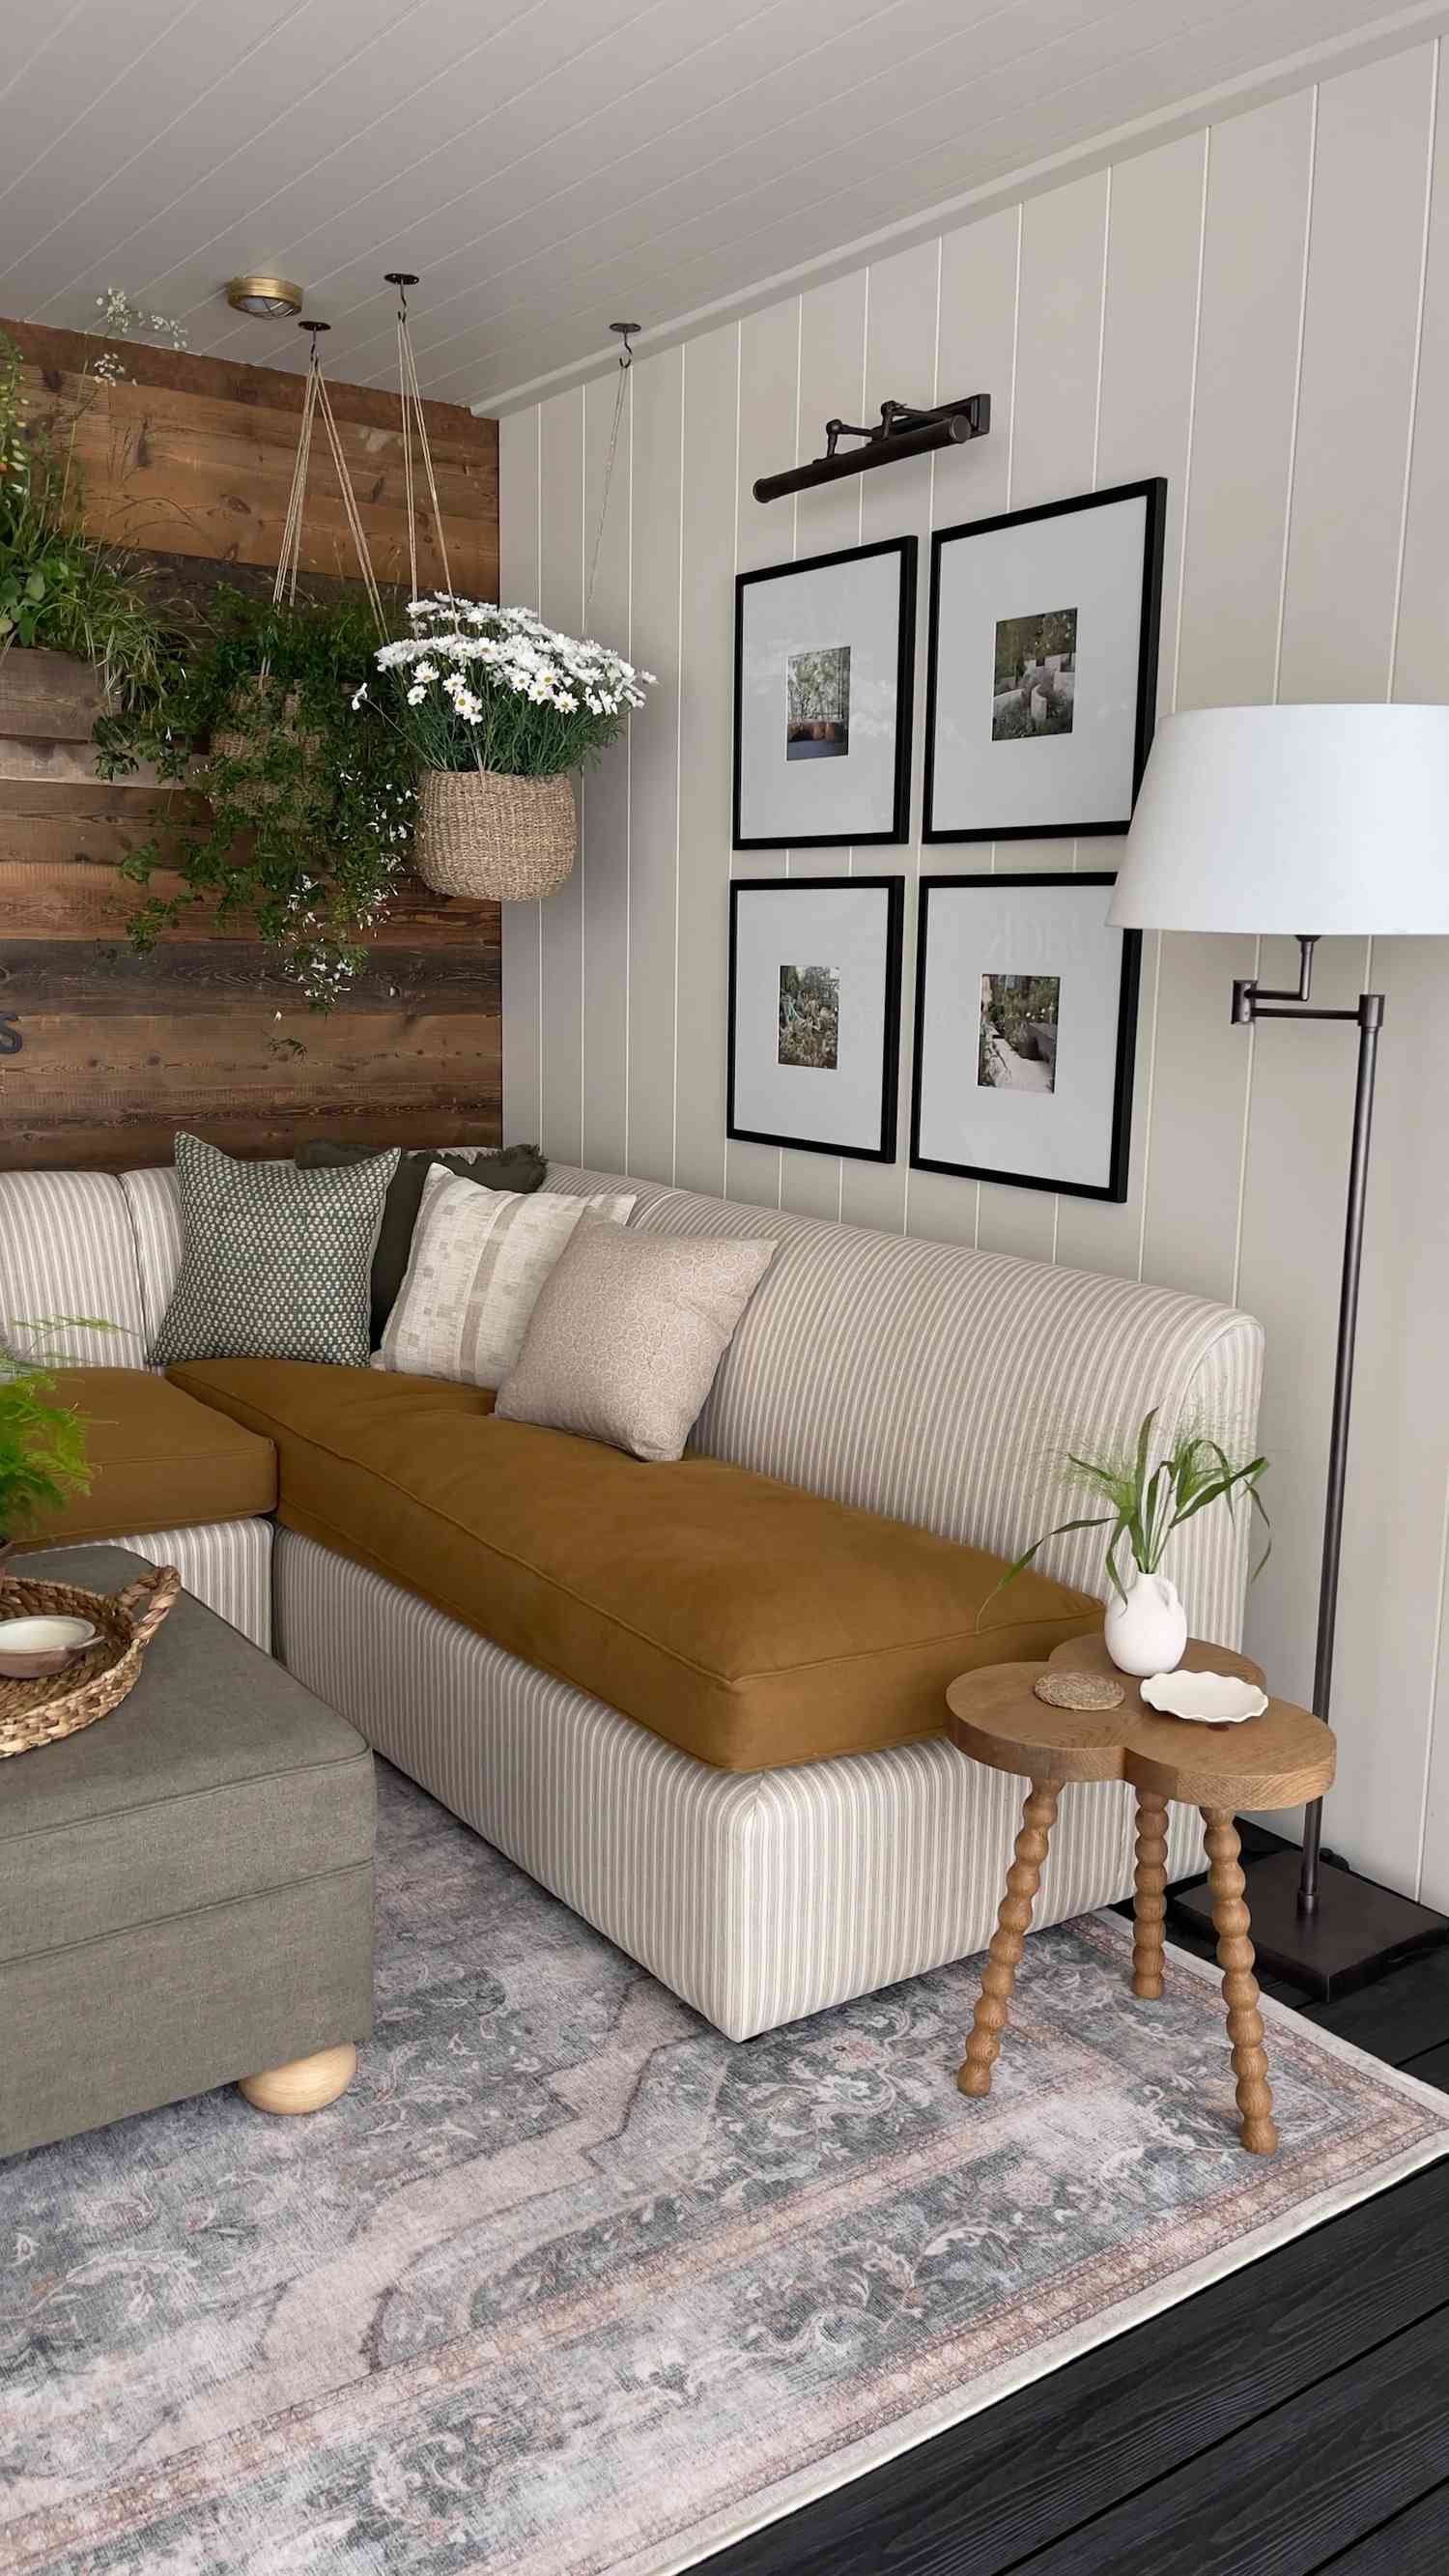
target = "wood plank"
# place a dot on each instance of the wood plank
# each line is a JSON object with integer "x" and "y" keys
{"x": 832, "y": 380}
{"x": 711, "y": 405}
{"x": 109, "y": 980}
{"x": 63, "y": 764}
{"x": 604, "y": 798}
{"x": 150, "y": 1074}
{"x": 1077, "y": 2443}
{"x": 1307, "y": 2479}
{"x": 464, "y": 1120}
{"x": 1398, "y": 2018}
{"x": 47, "y": 696}
{"x": 1414, "y": 2543}
{"x": 1059, "y": 339}
{"x": 522, "y": 926}
{"x": 655, "y": 806}
{"x": 975, "y": 352}
{"x": 1145, "y": 428}
{"x": 1431, "y": 2066}
{"x": 562, "y": 572}
{"x": 78, "y": 896}
{"x": 452, "y": 431}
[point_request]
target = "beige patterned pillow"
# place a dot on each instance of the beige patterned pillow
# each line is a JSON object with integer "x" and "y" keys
{"x": 627, "y": 1334}
{"x": 478, "y": 1261}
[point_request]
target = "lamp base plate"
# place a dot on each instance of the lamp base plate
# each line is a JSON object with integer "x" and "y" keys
{"x": 1360, "y": 1932}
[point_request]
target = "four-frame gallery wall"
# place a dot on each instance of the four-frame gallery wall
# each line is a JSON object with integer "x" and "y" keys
{"x": 104, "y": 1053}
{"x": 1041, "y": 671}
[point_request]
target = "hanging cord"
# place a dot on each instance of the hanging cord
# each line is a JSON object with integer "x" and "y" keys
{"x": 414, "y": 420}
{"x": 626, "y": 361}
{"x": 317, "y": 399}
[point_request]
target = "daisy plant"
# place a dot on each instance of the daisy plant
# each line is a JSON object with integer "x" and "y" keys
{"x": 1146, "y": 1503}
{"x": 480, "y": 687}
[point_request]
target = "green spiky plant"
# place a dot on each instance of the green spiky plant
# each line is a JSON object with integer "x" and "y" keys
{"x": 1146, "y": 1503}
{"x": 42, "y": 1443}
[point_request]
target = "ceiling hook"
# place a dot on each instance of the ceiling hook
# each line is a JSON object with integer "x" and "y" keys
{"x": 626, "y": 331}
{"x": 314, "y": 328}
{"x": 402, "y": 279}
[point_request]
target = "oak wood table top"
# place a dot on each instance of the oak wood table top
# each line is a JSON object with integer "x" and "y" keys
{"x": 1276, "y": 1760}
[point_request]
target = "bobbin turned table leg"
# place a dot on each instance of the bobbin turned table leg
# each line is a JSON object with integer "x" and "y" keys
{"x": 1013, "y": 1922}
{"x": 1149, "y": 1896}
{"x": 1231, "y": 1922}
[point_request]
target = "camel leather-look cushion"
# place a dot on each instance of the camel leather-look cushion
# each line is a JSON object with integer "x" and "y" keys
{"x": 158, "y": 1460}
{"x": 749, "y": 1623}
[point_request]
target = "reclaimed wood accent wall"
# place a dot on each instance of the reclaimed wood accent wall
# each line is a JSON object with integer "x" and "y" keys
{"x": 104, "y": 1053}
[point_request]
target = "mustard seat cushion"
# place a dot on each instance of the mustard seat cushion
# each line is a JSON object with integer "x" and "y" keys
{"x": 159, "y": 1460}
{"x": 746, "y": 1622}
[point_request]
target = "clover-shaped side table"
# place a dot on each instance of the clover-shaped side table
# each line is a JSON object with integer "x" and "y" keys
{"x": 1275, "y": 1760}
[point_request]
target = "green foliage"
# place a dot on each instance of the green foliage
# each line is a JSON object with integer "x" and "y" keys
{"x": 1146, "y": 1503}
{"x": 42, "y": 1443}
{"x": 58, "y": 587}
{"x": 311, "y": 799}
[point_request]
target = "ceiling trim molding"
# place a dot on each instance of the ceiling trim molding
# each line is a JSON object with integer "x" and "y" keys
{"x": 1379, "y": 37}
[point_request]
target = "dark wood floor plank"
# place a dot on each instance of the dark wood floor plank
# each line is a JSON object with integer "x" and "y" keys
{"x": 1414, "y": 2543}
{"x": 1026, "y": 2473}
{"x": 1432, "y": 2067}
{"x": 1293, "y": 2488}
{"x": 1399, "y": 2017}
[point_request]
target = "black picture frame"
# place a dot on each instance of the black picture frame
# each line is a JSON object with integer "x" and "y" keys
{"x": 894, "y": 888}
{"x": 907, "y": 549}
{"x": 1153, "y": 493}
{"x": 1114, "y": 1190}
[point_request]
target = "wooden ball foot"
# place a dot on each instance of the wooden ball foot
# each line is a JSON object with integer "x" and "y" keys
{"x": 308, "y": 2084}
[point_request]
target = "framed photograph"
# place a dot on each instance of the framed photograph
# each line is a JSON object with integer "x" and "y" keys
{"x": 825, "y": 655}
{"x": 815, "y": 1013}
{"x": 1026, "y": 1022}
{"x": 1042, "y": 667}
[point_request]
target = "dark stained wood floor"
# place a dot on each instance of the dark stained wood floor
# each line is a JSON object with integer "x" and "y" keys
{"x": 1291, "y": 2421}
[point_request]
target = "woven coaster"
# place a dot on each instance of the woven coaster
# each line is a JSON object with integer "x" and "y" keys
{"x": 1078, "y": 1690}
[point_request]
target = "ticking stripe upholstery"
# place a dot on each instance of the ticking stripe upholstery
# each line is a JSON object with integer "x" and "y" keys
{"x": 66, "y": 1248}
{"x": 942, "y": 1386}
{"x": 226, "y": 1564}
{"x": 757, "y": 1899}
{"x": 154, "y": 1201}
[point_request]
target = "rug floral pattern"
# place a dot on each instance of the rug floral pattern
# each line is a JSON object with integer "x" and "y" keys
{"x": 568, "y": 2283}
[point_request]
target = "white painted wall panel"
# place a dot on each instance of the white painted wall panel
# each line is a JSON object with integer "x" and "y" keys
{"x": 1261, "y": 313}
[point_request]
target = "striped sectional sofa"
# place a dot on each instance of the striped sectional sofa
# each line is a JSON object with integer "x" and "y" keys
{"x": 924, "y": 1381}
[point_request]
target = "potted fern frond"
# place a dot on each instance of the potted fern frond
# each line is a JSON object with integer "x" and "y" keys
{"x": 42, "y": 1443}
{"x": 1145, "y": 1628}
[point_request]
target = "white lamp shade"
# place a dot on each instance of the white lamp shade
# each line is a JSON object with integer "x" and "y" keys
{"x": 1308, "y": 820}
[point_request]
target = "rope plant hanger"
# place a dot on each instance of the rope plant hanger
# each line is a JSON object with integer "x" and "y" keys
{"x": 500, "y": 708}
{"x": 231, "y": 743}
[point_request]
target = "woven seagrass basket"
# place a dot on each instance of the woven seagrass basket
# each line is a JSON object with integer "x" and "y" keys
{"x": 279, "y": 713}
{"x": 59, "y": 1704}
{"x": 496, "y": 839}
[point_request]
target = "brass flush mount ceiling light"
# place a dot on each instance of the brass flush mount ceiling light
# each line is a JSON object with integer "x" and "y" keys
{"x": 275, "y": 298}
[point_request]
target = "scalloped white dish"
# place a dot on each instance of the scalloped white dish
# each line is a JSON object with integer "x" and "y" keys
{"x": 1208, "y": 1699}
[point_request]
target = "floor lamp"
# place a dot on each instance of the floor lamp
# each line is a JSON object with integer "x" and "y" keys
{"x": 1259, "y": 820}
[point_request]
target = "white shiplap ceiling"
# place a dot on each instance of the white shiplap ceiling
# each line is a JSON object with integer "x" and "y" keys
{"x": 549, "y": 165}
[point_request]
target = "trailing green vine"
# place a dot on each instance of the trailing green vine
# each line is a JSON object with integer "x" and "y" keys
{"x": 311, "y": 801}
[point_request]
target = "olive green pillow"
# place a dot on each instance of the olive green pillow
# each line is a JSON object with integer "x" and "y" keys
{"x": 500, "y": 1167}
{"x": 275, "y": 1263}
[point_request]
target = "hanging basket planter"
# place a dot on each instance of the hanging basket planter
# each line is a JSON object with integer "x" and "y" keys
{"x": 494, "y": 838}
{"x": 260, "y": 710}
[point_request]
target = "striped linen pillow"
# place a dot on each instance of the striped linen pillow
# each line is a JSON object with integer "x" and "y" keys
{"x": 478, "y": 1261}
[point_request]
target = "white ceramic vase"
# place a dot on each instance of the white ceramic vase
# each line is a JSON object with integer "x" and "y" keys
{"x": 1147, "y": 1632}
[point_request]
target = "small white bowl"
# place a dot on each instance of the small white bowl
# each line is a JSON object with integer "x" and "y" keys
{"x": 1207, "y": 1699}
{"x": 32, "y": 1647}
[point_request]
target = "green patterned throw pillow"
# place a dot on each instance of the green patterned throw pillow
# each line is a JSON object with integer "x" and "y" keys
{"x": 276, "y": 1264}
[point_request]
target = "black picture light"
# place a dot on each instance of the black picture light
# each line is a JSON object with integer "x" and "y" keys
{"x": 902, "y": 430}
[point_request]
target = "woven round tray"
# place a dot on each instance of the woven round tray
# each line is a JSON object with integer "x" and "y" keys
{"x": 58, "y": 1704}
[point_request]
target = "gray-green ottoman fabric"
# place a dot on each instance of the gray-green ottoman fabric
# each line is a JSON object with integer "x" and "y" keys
{"x": 185, "y": 1888}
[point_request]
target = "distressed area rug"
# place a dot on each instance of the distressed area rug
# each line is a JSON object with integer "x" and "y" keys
{"x": 567, "y": 2283}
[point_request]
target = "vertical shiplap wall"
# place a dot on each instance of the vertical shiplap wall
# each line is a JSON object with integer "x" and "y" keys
{"x": 1261, "y": 313}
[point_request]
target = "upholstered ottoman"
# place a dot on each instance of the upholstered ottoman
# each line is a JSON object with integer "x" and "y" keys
{"x": 185, "y": 1888}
